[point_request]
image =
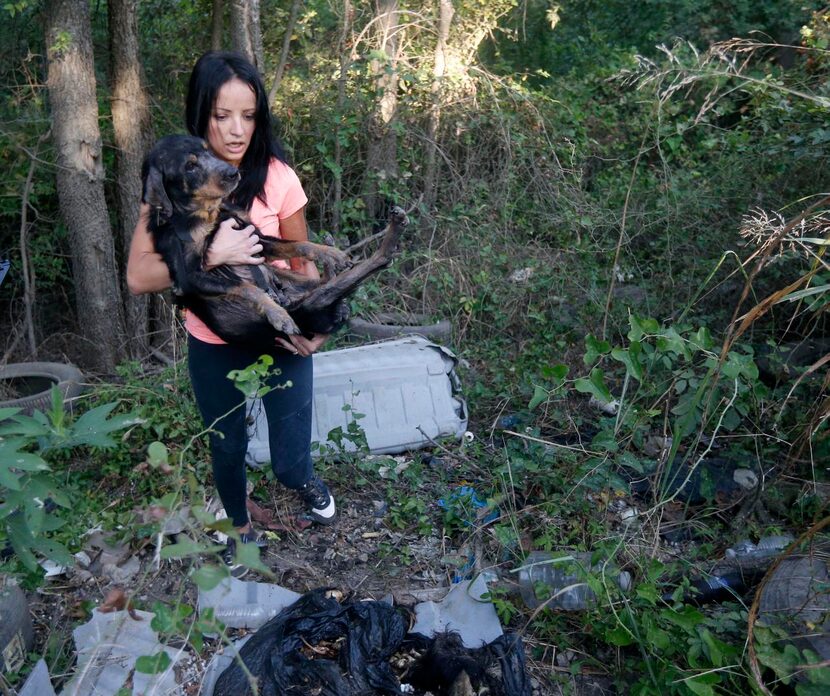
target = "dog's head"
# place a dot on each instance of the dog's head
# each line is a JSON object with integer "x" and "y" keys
{"x": 181, "y": 174}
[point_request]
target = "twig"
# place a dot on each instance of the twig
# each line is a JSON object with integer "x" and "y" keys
{"x": 621, "y": 236}
{"x": 286, "y": 45}
{"x": 28, "y": 273}
{"x": 756, "y": 602}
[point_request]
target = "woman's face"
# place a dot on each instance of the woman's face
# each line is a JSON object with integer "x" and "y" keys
{"x": 232, "y": 121}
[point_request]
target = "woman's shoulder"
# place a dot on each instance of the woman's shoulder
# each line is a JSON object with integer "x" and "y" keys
{"x": 281, "y": 170}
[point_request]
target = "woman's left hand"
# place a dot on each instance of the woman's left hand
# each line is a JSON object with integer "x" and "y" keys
{"x": 300, "y": 345}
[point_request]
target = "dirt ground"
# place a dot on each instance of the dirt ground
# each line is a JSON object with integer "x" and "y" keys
{"x": 361, "y": 555}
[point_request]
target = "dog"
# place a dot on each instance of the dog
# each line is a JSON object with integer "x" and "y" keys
{"x": 186, "y": 187}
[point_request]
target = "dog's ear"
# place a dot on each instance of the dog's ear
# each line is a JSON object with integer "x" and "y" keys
{"x": 155, "y": 195}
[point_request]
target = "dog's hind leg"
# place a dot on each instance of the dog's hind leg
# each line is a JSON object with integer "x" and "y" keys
{"x": 277, "y": 316}
{"x": 344, "y": 283}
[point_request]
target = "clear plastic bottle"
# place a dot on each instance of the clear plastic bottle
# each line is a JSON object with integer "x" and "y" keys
{"x": 766, "y": 547}
{"x": 560, "y": 582}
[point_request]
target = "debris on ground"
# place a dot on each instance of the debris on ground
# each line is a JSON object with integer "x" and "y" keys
{"x": 109, "y": 645}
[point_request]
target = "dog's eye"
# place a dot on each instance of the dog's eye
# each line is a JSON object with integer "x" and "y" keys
{"x": 190, "y": 166}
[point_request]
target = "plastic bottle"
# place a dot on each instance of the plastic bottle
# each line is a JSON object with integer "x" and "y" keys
{"x": 559, "y": 583}
{"x": 767, "y": 546}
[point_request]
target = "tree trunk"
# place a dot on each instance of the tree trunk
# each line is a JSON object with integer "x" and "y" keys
{"x": 80, "y": 181}
{"x": 217, "y": 25}
{"x": 133, "y": 138}
{"x": 381, "y": 156}
{"x": 445, "y": 14}
{"x": 245, "y": 31}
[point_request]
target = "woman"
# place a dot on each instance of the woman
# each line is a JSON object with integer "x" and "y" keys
{"x": 227, "y": 106}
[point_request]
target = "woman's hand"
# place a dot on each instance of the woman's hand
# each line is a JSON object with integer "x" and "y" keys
{"x": 300, "y": 345}
{"x": 234, "y": 246}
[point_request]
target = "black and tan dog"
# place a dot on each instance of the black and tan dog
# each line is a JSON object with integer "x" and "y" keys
{"x": 186, "y": 186}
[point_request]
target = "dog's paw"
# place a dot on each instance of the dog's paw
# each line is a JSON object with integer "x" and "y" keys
{"x": 341, "y": 313}
{"x": 333, "y": 260}
{"x": 281, "y": 321}
{"x": 398, "y": 216}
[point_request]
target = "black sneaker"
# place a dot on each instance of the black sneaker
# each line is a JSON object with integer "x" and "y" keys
{"x": 319, "y": 501}
{"x": 229, "y": 554}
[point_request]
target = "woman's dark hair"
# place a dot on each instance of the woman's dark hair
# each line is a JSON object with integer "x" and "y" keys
{"x": 212, "y": 71}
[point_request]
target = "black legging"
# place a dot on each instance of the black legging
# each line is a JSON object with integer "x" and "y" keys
{"x": 288, "y": 411}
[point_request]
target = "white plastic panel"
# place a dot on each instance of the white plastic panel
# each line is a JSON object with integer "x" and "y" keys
{"x": 406, "y": 388}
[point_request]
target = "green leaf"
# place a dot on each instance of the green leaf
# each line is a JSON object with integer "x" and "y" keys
{"x": 619, "y": 636}
{"x": 93, "y": 428}
{"x": 701, "y": 686}
{"x": 186, "y": 547}
{"x": 209, "y": 576}
{"x": 594, "y": 348}
{"x": 641, "y": 327}
{"x": 8, "y": 412}
{"x": 156, "y": 454}
{"x": 631, "y": 359}
{"x": 688, "y": 618}
{"x": 594, "y": 385}
{"x": 248, "y": 555}
{"x": 540, "y": 395}
{"x": 555, "y": 373}
{"x": 153, "y": 664}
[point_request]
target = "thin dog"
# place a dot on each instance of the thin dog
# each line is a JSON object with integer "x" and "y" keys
{"x": 186, "y": 187}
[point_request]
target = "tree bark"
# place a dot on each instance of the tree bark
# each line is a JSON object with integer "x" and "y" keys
{"x": 445, "y": 14}
{"x": 246, "y": 34}
{"x": 80, "y": 181}
{"x": 381, "y": 156}
{"x": 217, "y": 25}
{"x": 133, "y": 138}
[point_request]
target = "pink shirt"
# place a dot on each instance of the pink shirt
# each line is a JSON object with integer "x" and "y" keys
{"x": 284, "y": 196}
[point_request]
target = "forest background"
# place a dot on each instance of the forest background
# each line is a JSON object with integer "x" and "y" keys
{"x": 623, "y": 202}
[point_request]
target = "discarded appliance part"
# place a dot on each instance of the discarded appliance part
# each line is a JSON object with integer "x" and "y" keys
{"x": 393, "y": 325}
{"x": 407, "y": 390}
{"x": 38, "y": 683}
{"x": 239, "y": 604}
{"x": 33, "y": 383}
{"x": 108, "y": 646}
{"x": 462, "y": 611}
{"x": 562, "y": 580}
{"x": 16, "y": 632}
{"x": 795, "y": 597}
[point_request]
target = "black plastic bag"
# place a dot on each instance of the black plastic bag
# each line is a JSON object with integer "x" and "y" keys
{"x": 373, "y": 632}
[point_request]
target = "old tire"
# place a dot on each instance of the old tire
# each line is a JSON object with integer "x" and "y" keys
{"x": 394, "y": 325}
{"x": 32, "y": 383}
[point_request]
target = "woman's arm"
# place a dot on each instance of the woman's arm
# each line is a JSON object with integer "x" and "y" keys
{"x": 147, "y": 272}
{"x": 295, "y": 229}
